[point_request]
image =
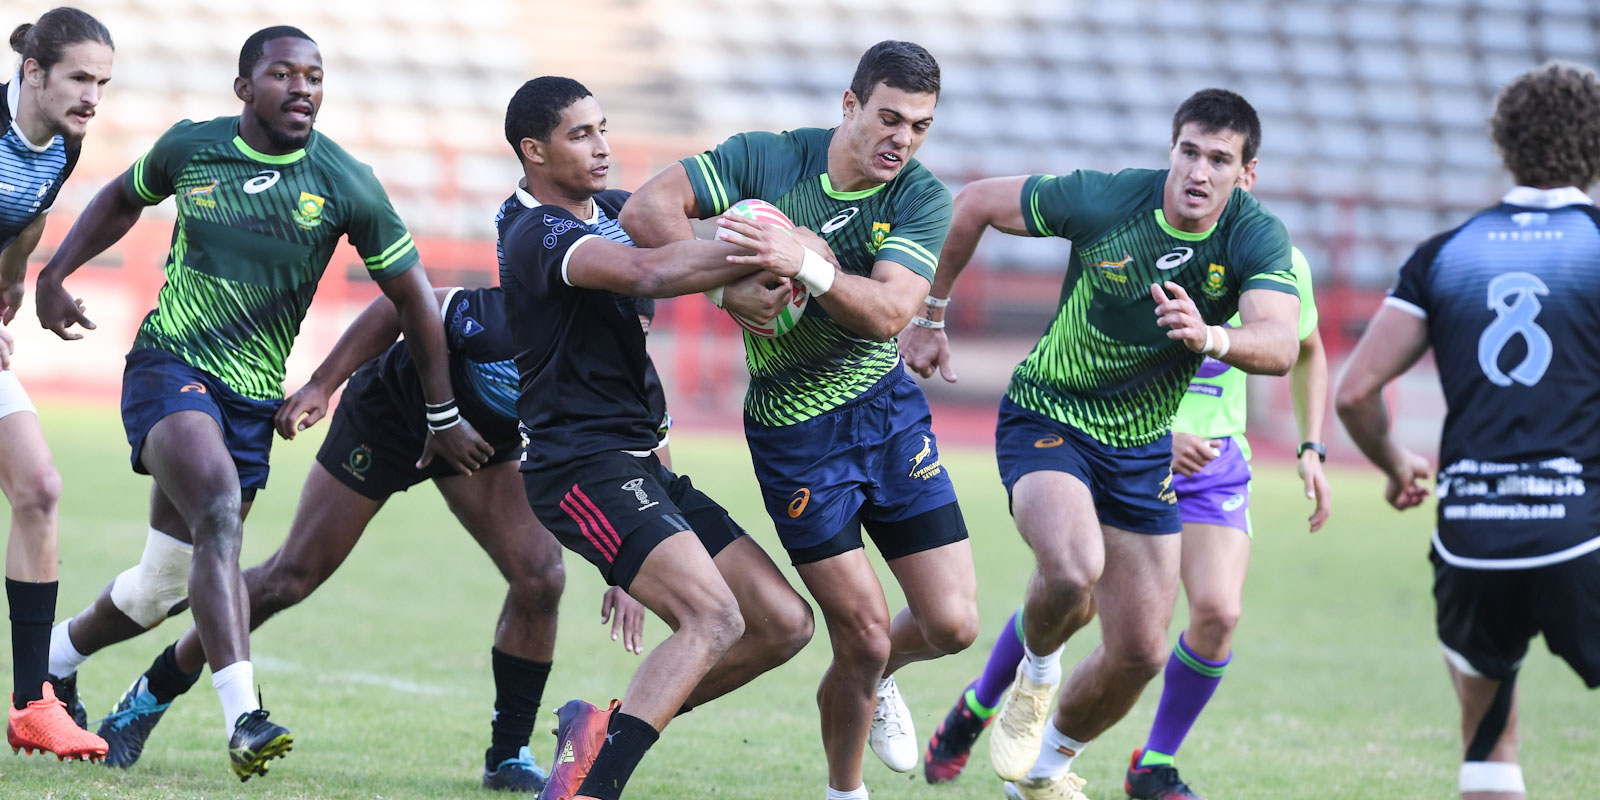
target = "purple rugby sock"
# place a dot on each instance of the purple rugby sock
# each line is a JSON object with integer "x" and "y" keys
{"x": 1187, "y": 686}
{"x": 1002, "y": 667}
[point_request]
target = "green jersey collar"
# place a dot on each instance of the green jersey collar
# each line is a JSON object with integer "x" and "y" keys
{"x": 1161, "y": 219}
{"x": 827, "y": 188}
{"x": 256, "y": 155}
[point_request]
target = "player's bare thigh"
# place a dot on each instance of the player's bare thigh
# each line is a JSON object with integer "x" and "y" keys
{"x": 1056, "y": 516}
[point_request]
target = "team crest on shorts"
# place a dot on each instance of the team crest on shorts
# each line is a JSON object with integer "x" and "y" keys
{"x": 920, "y": 470}
{"x": 359, "y": 462}
{"x": 1167, "y": 495}
{"x": 637, "y": 487}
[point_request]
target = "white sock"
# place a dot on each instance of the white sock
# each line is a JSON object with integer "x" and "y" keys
{"x": 1055, "y": 754}
{"x": 235, "y": 685}
{"x": 1044, "y": 669}
{"x": 64, "y": 658}
{"x": 858, "y": 793}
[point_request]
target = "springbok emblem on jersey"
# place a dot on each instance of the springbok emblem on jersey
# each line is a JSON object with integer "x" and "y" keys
{"x": 1514, "y": 298}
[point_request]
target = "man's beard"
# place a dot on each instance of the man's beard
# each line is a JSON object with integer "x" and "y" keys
{"x": 282, "y": 140}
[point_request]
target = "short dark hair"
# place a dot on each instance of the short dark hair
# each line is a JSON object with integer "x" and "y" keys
{"x": 46, "y": 41}
{"x": 906, "y": 66}
{"x": 536, "y": 108}
{"x": 1217, "y": 110}
{"x": 1546, "y": 125}
{"x": 256, "y": 45}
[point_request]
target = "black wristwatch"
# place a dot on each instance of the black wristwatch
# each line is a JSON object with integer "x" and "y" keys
{"x": 1315, "y": 447}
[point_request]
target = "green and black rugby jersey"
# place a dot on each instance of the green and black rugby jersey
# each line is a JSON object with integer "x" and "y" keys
{"x": 253, "y": 236}
{"x": 821, "y": 365}
{"x": 1103, "y": 365}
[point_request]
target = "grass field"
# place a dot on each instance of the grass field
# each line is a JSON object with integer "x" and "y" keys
{"x": 1337, "y": 689}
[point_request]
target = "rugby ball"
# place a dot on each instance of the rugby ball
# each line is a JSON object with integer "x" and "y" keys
{"x": 789, "y": 315}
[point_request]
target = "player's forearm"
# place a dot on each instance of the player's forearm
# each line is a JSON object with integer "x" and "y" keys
{"x": 107, "y": 218}
{"x": 14, "y": 259}
{"x": 868, "y": 307}
{"x": 1310, "y": 381}
{"x": 374, "y": 329}
{"x": 685, "y": 267}
{"x": 1262, "y": 347}
{"x": 424, "y": 331}
{"x": 656, "y": 215}
{"x": 1366, "y": 418}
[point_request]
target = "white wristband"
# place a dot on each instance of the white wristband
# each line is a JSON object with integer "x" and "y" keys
{"x": 1222, "y": 345}
{"x": 816, "y": 273}
{"x": 935, "y": 302}
{"x": 714, "y": 295}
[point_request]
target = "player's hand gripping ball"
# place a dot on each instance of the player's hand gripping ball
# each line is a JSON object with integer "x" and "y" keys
{"x": 789, "y": 315}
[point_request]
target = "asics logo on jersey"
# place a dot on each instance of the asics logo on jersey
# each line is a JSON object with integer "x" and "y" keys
{"x": 1176, "y": 258}
{"x": 264, "y": 180}
{"x": 841, "y": 220}
{"x": 797, "y": 504}
{"x": 637, "y": 487}
{"x": 1513, "y": 297}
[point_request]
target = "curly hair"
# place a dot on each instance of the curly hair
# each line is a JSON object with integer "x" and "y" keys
{"x": 1546, "y": 125}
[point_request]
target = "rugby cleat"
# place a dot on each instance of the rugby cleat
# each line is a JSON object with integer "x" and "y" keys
{"x": 951, "y": 745}
{"x": 1065, "y": 787}
{"x": 45, "y": 726}
{"x": 892, "y": 736}
{"x": 255, "y": 741}
{"x": 129, "y": 725}
{"x": 67, "y": 692}
{"x": 519, "y": 774}
{"x": 580, "y": 733}
{"x": 1155, "y": 782}
{"x": 1014, "y": 745}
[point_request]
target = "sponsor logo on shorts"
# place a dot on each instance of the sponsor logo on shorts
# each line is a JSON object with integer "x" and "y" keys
{"x": 1167, "y": 494}
{"x": 1053, "y": 440}
{"x": 797, "y": 503}
{"x": 1233, "y": 503}
{"x": 637, "y": 487}
{"x": 193, "y": 387}
{"x": 924, "y": 471}
{"x": 359, "y": 461}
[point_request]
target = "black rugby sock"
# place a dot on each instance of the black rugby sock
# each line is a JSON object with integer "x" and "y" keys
{"x": 627, "y": 740}
{"x": 33, "y": 609}
{"x": 518, "y": 688}
{"x": 167, "y": 681}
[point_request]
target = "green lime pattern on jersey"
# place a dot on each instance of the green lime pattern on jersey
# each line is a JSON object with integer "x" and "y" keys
{"x": 820, "y": 365}
{"x": 1104, "y": 366}
{"x": 253, "y": 235}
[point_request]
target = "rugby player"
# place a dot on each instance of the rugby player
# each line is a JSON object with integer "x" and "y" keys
{"x": 1211, "y": 460}
{"x": 589, "y": 475}
{"x": 839, "y": 434}
{"x": 1083, "y": 441}
{"x": 1504, "y": 301}
{"x": 369, "y": 455}
{"x": 262, "y": 200}
{"x": 44, "y": 113}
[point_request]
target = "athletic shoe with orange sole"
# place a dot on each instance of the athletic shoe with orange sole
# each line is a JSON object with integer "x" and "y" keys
{"x": 580, "y": 733}
{"x": 45, "y": 725}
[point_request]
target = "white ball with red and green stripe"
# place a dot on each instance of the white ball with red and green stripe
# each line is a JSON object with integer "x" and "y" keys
{"x": 789, "y": 315}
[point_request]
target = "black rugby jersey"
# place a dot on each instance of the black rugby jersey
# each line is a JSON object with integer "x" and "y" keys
{"x": 1512, "y": 318}
{"x": 580, "y": 353}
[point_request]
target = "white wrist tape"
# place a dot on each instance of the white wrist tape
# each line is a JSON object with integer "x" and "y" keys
{"x": 816, "y": 273}
{"x": 714, "y": 295}
{"x": 1220, "y": 348}
{"x": 1491, "y": 776}
{"x": 935, "y": 302}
